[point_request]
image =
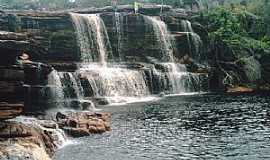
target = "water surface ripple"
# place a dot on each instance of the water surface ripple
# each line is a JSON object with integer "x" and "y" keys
{"x": 184, "y": 127}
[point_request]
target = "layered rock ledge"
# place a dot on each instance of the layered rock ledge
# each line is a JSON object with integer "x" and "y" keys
{"x": 9, "y": 111}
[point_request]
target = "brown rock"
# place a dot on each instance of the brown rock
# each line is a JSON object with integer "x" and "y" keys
{"x": 8, "y": 111}
{"x": 84, "y": 123}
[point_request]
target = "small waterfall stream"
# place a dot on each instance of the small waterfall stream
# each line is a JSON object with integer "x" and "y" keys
{"x": 119, "y": 33}
{"x": 194, "y": 40}
{"x": 180, "y": 80}
{"x": 71, "y": 85}
{"x": 163, "y": 37}
{"x": 55, "y": 88}
{"x": 92, "y": 37}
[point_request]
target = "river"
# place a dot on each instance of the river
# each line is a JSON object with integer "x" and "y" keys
{"x": 208, "y": 126}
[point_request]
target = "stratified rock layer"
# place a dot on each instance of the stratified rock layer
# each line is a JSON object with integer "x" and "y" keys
{"x": 9, "y": 111}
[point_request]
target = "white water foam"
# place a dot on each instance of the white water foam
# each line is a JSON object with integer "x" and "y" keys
{"x": 116, "y": 101}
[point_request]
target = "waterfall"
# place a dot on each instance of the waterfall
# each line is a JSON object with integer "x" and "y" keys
{"x": 71, "y": 85}
{"x": 194, "y": 40}
{"x": 92, "y": 37}
{"x": 186, "y": 26}
{"x": 163, "y": 36}
{"x": 115, "y": 82}
{"x": 176, "y": 74}
{"x": 55, "y": 86}
{"x": 119, "y": 33}
{"x": 103, "y": 81}
{"x": 179, "y": 80}
{"x": 66, "y": 91}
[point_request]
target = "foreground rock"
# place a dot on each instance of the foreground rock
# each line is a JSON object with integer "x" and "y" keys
{"x": 8, "y": 111}
{"x": 33, "y": 140}
{"x": 84, "y": 123}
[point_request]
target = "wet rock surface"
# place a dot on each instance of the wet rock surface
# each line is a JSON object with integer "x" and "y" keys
{"x": 81, "y": 124}
{"x": 31, "y": 140}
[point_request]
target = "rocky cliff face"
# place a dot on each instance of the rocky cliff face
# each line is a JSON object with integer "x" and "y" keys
{"x": 52, "y": 36}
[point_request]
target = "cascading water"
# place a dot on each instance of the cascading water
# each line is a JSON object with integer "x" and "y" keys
{"x": 186, "y": 26}
{"x": 55, "y": 87}
{"x": 117, "y": 82}
{"x": 114, "y": 82}
{"x": 179, "y": 79}
{"x": 106, "y": 81}
{"x": 71, "y": 85}
{"x": 194, "y": 40}
{"x": 66, "y": 91}
{"x": 92, "y": 37}
{"x": 163, "y": 37}
{"x": 119, "y": 33}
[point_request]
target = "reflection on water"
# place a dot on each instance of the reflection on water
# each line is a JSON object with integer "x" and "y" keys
{"x": 185, "y": 127}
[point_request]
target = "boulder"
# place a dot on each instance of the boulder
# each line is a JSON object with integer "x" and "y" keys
{"x": 84, "y": 123}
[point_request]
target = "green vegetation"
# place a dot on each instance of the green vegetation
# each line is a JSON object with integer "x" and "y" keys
{"x": 238, "y": 36}
{"x": 240, "y": 27}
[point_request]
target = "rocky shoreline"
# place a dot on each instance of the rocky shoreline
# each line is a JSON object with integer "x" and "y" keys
{"x": 31, "y": 138}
